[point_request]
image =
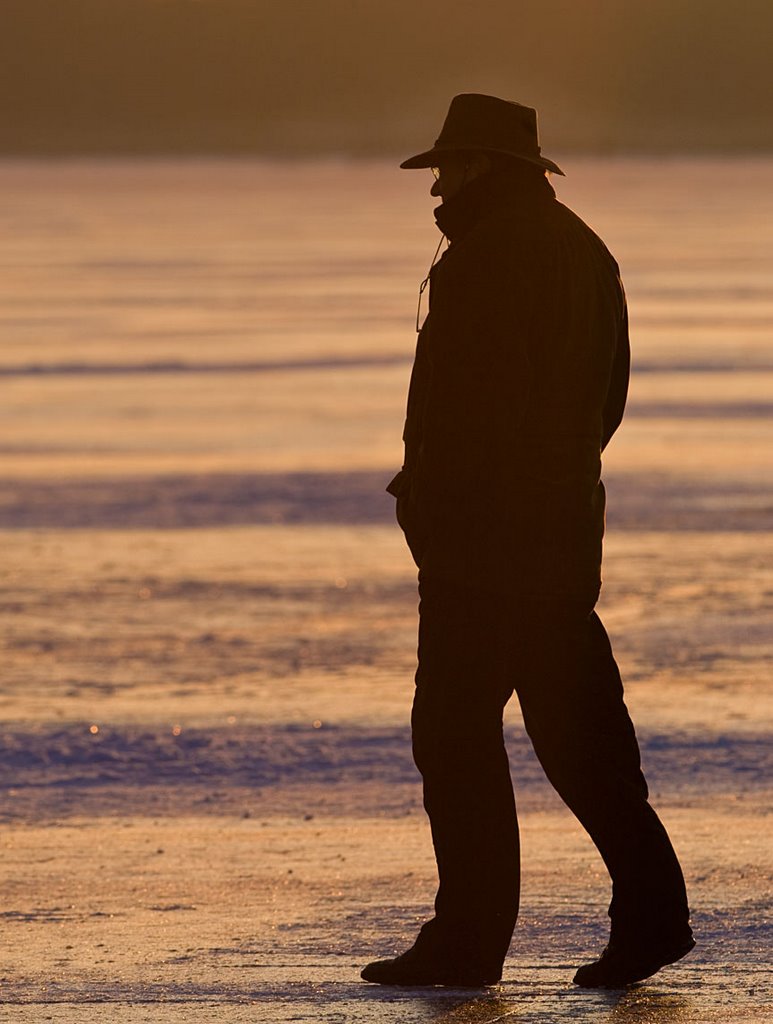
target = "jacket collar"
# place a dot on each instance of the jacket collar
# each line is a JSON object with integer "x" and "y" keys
{"x": 491, "y": 193}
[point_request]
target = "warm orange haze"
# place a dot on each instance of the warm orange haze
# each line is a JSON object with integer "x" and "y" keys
{"x": 342, "y": 77}
{"x": 209, "y": 265}
{"x": 208, "y": 618}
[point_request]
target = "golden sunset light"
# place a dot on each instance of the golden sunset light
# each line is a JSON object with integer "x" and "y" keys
{"x": 235, "y": 787}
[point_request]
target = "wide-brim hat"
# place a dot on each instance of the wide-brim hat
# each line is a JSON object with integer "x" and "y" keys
{"x": 478, "y": 122}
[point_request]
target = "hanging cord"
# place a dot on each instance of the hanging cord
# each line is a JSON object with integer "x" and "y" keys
{"x": 425, "y": 282}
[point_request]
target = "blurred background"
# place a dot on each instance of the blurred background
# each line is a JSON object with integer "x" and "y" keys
{"x": 364, "y": 77}
{"x": 209, "y": 264}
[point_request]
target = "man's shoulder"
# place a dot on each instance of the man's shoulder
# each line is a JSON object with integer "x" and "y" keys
{"x": 548, "y": 233}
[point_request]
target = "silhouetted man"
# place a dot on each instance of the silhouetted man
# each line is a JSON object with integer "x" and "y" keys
{"x": 519, "y": 382}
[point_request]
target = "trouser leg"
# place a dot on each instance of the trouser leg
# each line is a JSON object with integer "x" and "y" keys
{"x": 572, "y": 700}
{"x": 462, "y": 685}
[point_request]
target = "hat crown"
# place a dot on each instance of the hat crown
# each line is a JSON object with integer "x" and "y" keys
{"x": 477, "y": 121}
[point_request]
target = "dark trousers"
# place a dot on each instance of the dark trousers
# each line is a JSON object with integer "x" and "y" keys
{"x": 475, "y": 649}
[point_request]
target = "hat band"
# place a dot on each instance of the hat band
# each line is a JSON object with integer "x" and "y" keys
{"x": 532, "y": 152}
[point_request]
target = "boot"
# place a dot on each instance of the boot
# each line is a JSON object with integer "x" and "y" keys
{"x": 431, "y": 961}
{"x": 623, "y": 964}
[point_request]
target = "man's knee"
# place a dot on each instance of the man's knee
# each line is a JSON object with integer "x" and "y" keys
{"x": 449, "y": 739}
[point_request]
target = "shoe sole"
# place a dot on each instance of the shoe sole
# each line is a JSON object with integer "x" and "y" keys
{"x": 429, "y": 982}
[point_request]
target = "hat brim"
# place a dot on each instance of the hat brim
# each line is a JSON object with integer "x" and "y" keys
{"x": 431, "y": 157}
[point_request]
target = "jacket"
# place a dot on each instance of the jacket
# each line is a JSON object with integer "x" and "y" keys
{"x": 519, "y": 382}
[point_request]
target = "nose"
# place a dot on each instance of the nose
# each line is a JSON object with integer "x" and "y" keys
{"x": 436, "y": 189}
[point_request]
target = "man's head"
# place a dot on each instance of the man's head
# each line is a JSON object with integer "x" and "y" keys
{"x": 455, "y": 170}
{"x": 484, "y": 125}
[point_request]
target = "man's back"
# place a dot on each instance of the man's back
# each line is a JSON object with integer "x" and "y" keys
{"x": 520, "y": 380}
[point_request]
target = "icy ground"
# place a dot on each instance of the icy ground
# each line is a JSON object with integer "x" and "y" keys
{"x": 207, "y": 827}
{"x": 208, "y": 618}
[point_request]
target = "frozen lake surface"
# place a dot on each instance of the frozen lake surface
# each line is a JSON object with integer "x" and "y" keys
{"x": 208, "y": 615}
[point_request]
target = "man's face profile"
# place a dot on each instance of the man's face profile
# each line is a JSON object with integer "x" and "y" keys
{"x": 455, "y": 170}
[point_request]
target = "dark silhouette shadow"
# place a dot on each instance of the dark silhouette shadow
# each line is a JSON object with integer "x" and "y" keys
{"x": 643, "y": 1005}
